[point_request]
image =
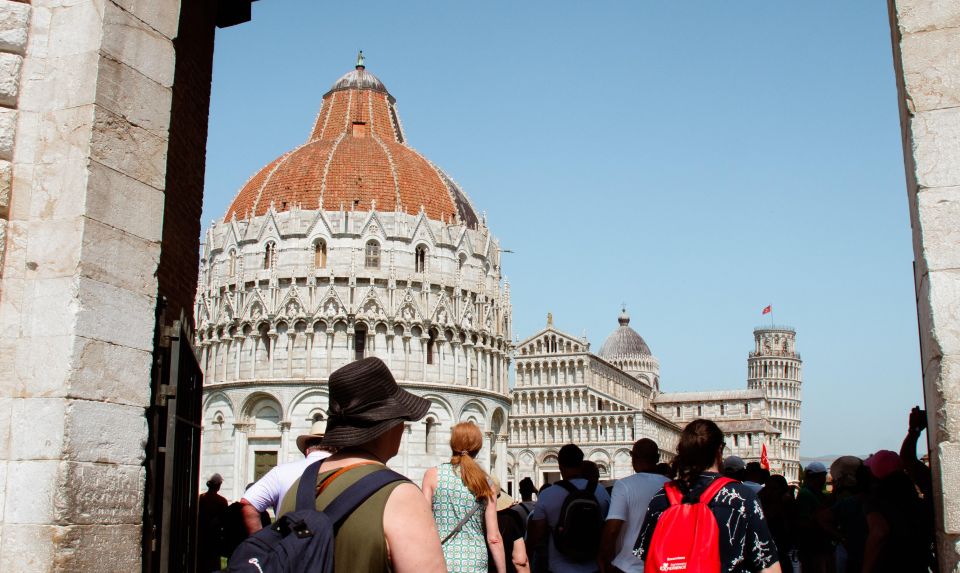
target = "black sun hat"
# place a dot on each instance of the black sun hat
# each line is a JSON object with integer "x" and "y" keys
{"x": 365, "y": 402}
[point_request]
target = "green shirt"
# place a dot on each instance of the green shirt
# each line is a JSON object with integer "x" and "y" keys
{"x": 360, "y": 544}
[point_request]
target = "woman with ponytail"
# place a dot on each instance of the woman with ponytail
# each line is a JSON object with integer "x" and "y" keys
{"x": 464, "y": 505}
{"x": 745, "y": 543}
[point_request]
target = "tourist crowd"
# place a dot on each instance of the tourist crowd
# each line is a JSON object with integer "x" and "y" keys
{"x": 705, "y": 511}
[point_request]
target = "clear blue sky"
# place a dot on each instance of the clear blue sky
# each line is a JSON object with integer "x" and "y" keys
{"x": 696, "y": 161}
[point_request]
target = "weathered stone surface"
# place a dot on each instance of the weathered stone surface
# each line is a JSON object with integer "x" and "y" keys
{"x": 939, "y": 211}
{"x": 114, "y": 315}
{"x": 66, "y": 81}
{"x": 49, "y": 306}
{"x": 118, "y": 258}
{"x": 936, "y": 147}
{"x": 130, "y": 41}
{"x": 55, "y": 548}
{"x": 14, "y": 23}
{"x": 65, "y": 137}
{"x": 31, "y": 548}
{"x": 161, "y": 15}
{"x": 3, "y": 486}
{"x": 933, "y": 74}
{"x": 132, "y": 95}
{"x": 101, "y": 494}
{"x": 33, "y": 441}
{"x": 114, "y": 137}
{"x": 73, "y": 29}
{"x": 124, "y": 203}
{"x": 9, "y": 78}
{"x": 3, "y": 241}
{"x": 923, "y": 15}
{"x": 950, "y": 484}
{"x": 111, "y": 373}
{"x": 32, "y": 491}
{"x": 92, "y": 429}
{"x": 944, "y": 301}
{"x": 6, "y": 180}
{"x": 6, "y": 412}
{"x": 42, "y": 365}
{"x": 8, "y": 128}
{"x": 53, "y": 247}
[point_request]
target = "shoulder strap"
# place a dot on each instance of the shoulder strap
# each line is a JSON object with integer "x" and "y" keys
{"x": 714, "y": 488}
{"x": 351, "y": 498}
{"x": 476, "y": 507}
{"x": 674, "y": 495}
{"x": 307, "y": 490}
{"x": 567, "y": 486}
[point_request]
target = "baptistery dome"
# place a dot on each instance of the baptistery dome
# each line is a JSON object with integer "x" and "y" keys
{"x": 356, "y": 158}
{"x": 349, "y": 246}
{"x": 628, "y": 351}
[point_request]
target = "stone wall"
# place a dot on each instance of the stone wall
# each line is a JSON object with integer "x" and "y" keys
{"x": 87, "y": 148}
{"x": 926, "y": 48}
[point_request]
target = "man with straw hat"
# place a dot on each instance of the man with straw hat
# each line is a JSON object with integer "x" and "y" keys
{"x": 269, "y": 490}
{"x": 393, "y": 530}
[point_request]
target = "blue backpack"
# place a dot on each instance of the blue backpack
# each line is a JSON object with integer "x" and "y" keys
{"x": 302, "y": 540}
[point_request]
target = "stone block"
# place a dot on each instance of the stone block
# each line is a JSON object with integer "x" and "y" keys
{"x": 114, "y": 315}
{"x": 6, "y": 181}
{"x": 104, "y": 433}
{"x": 9, "y": 78}
{"x": 6, "y": 412}
{"x": 54, "y": 247}
{"x": 101, "y": 494}
{"x": 132, "y": 95}
{"x": 8, "y": 129}
{"x": 37, "y": 429}
{"x": 43, "y": 364}
{"x": 59, "y": 82}
{"x": 931, "y": 67}
{"x": 944, "y": 324}
{"x": 936, "y": 147}
{"x": 110, "y": 373}
{"x": 949, "y": 454}
{"x": 122, "y": 542}
{"x": 118, "y": 258}
{"x": 49, "y": 306}
{"x": 32, "y": 493}
{"x": 124, "y": 203}
{"x": 57, "y": 192}
{"x": 64, "y": 139}
{"x": 14, "y": 24}
{"x": 3, "y": 241}
{"x": 75, "y": 28}
{"x": 939, "y": 215}
{"x": 131, "y": 41}
{"x": 28, "y": 548}
{"x": 129, "y": 149}
{"x": 924, "y": 15}
{"x": 161, "y": 15}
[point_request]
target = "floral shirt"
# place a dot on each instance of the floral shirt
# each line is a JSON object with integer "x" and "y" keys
{"x": 745, "y": 541}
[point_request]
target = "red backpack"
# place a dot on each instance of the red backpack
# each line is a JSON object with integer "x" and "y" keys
{"x": 686, "y": 537}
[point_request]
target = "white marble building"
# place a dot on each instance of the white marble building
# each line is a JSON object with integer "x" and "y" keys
{"x": 604, "y": 402}
{"x": 350, "y": 245}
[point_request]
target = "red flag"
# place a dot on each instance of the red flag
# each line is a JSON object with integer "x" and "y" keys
{"x": 764, "y": 460}
{"x": 767, "y": 309}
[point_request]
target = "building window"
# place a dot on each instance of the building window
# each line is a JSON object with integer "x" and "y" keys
{"x": 699, "y": 411}
{"x": 430, "y": 344}
{"x": 421, "y": 259}
{"x": 430, "y": 437}
{"x": 320, "y": 255}
{"x": 372, "y": 255}
{"x": 269, "y": 252}
{"x": 359, "y": 342}
{"x": 461, "y": 260}
{"x": 746, "y": 407}
{"x": 749, "y": 439}
{"x": 233, "y": 263}
{"x": 678, "y": 411}
{"x": 723, "y": 409}
{"x": 736, "y": 440}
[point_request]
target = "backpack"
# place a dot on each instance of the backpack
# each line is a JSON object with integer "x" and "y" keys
{"x": 577, "y": 533}
{"x": 686, "y": 537}
{"x": 302, "y": 540}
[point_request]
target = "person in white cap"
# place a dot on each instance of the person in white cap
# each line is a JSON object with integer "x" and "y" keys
{"x": 269, "y": 490}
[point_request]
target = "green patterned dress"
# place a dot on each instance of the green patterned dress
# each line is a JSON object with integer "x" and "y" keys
{"x": 466, "y": 552}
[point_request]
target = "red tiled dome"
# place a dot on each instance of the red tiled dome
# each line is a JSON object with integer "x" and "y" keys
{"x": 356, "y": 155}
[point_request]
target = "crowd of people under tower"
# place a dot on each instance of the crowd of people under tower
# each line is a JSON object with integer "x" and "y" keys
{"x": 703, "y": 512}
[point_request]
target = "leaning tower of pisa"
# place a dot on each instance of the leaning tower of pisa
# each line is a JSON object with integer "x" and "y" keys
{"x": 774, "y": 366}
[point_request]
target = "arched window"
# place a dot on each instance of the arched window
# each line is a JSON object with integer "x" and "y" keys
{"x": 232, "y": 265}
{"x": 371, "y": 258}
{"x": 430, "y": 344}
{"x": 421, "y": 259}
{"x": 320, "y": 254}
{"x": 359, "y": 342}
{"x": 430, "y": 438}
{"x": 736, "y": 440}
{"x": 269, "y": 253}
{"x": 461, "y": 260}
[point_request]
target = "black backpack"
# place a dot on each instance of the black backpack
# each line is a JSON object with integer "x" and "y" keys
{"x": 577, "y": 534}
{"x": 302, "y": 540}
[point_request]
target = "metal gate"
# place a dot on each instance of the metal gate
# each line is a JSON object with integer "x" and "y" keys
{"x": 173, "y": 453}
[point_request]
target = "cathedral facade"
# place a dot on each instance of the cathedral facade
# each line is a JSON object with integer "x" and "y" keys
{"x": 603, "y": 402}
{"x": 350, "y": 245}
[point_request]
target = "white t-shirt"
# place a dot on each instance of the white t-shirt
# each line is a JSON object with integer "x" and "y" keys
{"x": 270, "y": 489}
{"x": 631, "y": 496}
{"x": 548, "y": 507}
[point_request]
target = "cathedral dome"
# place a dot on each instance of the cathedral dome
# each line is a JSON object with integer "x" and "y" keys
{"x": 624, "y": 342}
{"x": 356, "y": 158}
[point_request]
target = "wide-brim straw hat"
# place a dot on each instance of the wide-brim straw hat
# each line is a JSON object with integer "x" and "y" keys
{"x": 365, "y": 402}
{"x": 317, "y": 430}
